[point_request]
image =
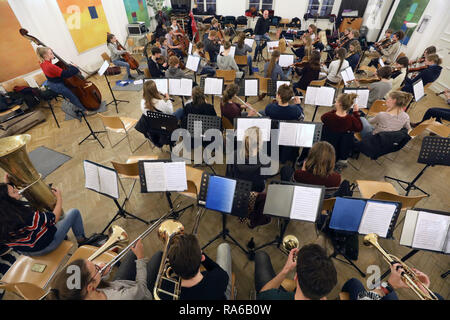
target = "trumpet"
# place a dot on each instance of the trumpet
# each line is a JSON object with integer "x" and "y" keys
{"x": 408, "y": 275}
{"x": 289, "y": 242}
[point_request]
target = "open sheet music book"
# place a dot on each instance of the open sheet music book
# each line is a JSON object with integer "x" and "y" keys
{"x": 192, "y": 63}
{"x": 190, "y": 48}
{"x": 264, "y": 125}
{"x": 347, "y": 75}
{"x": 365, "y": 216}
{"x": 320, "y": 96}
{"x": 297, "y": 202}
{"x": 232, "y": 50}
{"x": 249, "y": 42}
{"x": 281, "y": 82}
{"x": 162, "y": 85}
{"x": 103, "y": 68}
{"x": 362, "y": 98}
{"x": 296, "y": 134}
{"x": 213, "y": 86}
{"x": 419, "y": 91}
{"x": 251, "y": 87}
{"x": 426, "y": 230}
{"x": 381, "y": 62}
{"x": 158, "y": 176}
{"x": 286, "y": 60}
{"x": 101, "y": 179}
{"x": 271, "y": 45}
{"x": 180, "y": 87}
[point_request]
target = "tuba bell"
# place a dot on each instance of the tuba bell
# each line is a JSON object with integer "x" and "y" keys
{"x": 15, "y": 161}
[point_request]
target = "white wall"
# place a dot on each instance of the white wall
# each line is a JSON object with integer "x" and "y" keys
{"x": 374, "y": 16}
{"x": 231, "y": 7}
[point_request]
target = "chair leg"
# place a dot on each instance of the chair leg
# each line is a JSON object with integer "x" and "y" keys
{"x": 53, "y": 113}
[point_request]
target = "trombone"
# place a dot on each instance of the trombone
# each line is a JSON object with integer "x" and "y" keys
{"x": 408, "y": 275}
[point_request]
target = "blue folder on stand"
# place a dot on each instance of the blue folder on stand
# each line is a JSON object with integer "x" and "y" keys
{"x": 347, "y": 214}
{"x": 220, "y": 194}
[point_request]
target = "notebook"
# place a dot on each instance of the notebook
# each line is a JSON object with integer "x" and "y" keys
{"x": 294, "y": 201}
{"x": 296, "y": 134}
{"x": 101, "y": 179}
{"x": 220, "y": 194}
{"x": 320, "y": 96}
{"x": 157, "y": 176}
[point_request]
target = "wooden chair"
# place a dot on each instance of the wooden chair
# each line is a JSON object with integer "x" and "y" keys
{"x": 284, "y": 22}
{"x": 207, "y": 57}
{"x": 194, "y": 181}
{"x": 134, "y": 49}
{"x": 344, "y": 296}
{"x": 28, "y": 284}
{"x": 40, "y": 79}
{"x": 106, "y": 57}
{"x": 84, "y": 252}
{"x": 328, "y": 204}
{"x": 241, "y": 61}
{"x": 120, "y": 125}
{"x": 369, "y": 188}
{"x": 263, "y": 84}
{"x": 228, "y": 75}
{"x": 227, "y": 124}
{"x": 147, "y": 73}
{"x": 368, "y": 70}
{"x": 377, "y": 107}
{"x": 407, "y": 202}
{"x": 320, "y": 83}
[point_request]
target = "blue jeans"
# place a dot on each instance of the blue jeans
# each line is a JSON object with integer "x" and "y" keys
{"x": 250, "y": 65}
{"x": 121, "y": 63}
{"x": 354, "y": 287}
{"x": 72, "y": 220}
{"x": 367, "y": 128}
{"x": 61, "y": 89}
{"x": 210, "y": 71}
{"x": 260, "y": 47}
{"x": 438, "y": 113}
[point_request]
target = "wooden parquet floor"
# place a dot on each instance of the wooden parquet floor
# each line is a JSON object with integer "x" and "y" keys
{"x": 97, "y": 210}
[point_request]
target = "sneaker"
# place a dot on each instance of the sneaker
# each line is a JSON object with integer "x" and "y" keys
{"x": 96, "y": 239}
{"x": 90, "y": 113}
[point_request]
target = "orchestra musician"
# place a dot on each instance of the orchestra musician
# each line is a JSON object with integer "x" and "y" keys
{"x": 354, "y": 54}
{"x": 334, "y": 69}
{"x": 242, "y": 49}
{"x": 171, "y": 36}
{"x": 390, "y": 51}
{"x": 116, "y": 54}
{"x": 231, "y": 109}
{"x": 428, "y": 75}
{"x": 308, "y": 73}
{"x": 399, "y": 75}
{"x": 156, "y": 69}
{"x": 438, "y": 113}
{"x": 353, "y": 35}
{"x": 304, "y": 50}
{"x": 387, "y": 39}
{"x": 379, "y": 89}
{"x": 212, "y": 45}
{"x": 273, "y": 70}
{"x": 428, "y": 51}
{"x": 226, "y": 62}
{"x": 204, "y": 68}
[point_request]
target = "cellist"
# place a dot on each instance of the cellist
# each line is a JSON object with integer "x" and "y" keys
{"x": 116, "y": 54}
{"x": 55, "y": 76}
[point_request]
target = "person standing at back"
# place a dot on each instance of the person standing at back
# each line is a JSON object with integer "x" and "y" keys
{"x": 262, "y": 32}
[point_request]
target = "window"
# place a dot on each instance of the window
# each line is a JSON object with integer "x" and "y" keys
{"x": 321, "y": 7}
{"x": 207, "y": 6}
{"x": 261, "y": 4}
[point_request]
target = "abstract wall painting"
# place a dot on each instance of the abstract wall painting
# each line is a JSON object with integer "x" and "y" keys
{"x": 137, "y": 11}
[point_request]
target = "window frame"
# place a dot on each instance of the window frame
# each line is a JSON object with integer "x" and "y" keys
{"x": 321, "y": 7}
{"x": 260, "y": 5}
{"x": 205, "y": 3}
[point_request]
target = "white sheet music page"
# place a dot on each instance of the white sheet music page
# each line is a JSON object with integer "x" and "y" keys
{"x": 108, "y": 182}
{"x": 305, "y": 135}
{"x": 305, "y": 203}
{"x": 162, "y": 85}
{"x": 447, "y": 242}
{"x": 362, "y": 98}
{"x": 213, "y": 86}
{"x": 190, "y": 48}
{"x": 91, "y": 176}
{"x": 175, "y": 87}
{"x": 325, "y": 97}
{"x": 263, "y": 124}
{"x": 155, "y": 176}
{"x": 286, "y": 60}
{"x": 431, "y": 231}
{"x": 418, "y": 90}
{"x": 103, "y": 68}
{"x": 251, "y": 87}
{"x": 192, "y": 63}
{"x": 347, "y": 75}
{"x": 288, "y": 133}
{"x": 186, "y": 87}
{"x": 377, "y": 218}
{"x": 176, "y": 176}
{"x": 249, "y": 42}
{"x": 232, "y": 50}
{"x": 271, "y": 45}
{"x": 280, "y": 83}
{"x": 311, "y": 93}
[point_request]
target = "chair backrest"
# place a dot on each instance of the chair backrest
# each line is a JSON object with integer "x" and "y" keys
{"x": 320, "y": 83}
{"x": 9, "y": 86}
{"x": 147, "y": 73}
{"x": 27, "y": 291}
{"x": 149, "y": 36}
{"x": 126, "y": 169}
{"x": 240, "y": 60}
{"x": 228, "y": 75}
{"x": 106, "y": 57}
{"x": 130, "y": 42}
{"x": 40, "y": 79}
{"x": 328, "y": 204}
{"x": 226, "y": 123}
{"x": 207, "y": 57}
{"x": 369, "y": 70}
{"x": 421, "y": 127}
{"x": 439, "y": 129}
{"x": 406, "y": 201}
{"x": 377, "y": 107}
{"x": 263, "y": 83}
{"x": 112, "y": 122}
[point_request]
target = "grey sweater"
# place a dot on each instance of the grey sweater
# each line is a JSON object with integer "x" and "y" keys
{"x": 378, "y": 90}
{"x": 228, "y": 63}
{"x": 177, "y": 73}
{"x": 115, "y": 53}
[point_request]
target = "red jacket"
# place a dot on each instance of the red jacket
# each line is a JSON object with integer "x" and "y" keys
{"x": 335, "y": 123}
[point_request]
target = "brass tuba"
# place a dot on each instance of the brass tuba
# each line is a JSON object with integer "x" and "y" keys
{"x": 15, "y": 161}
{"x": 409, "y": 276}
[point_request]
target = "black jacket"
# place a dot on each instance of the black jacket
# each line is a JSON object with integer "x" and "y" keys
{"x": 154, "y": 69}
{"x": 262, "y": 26}
{"x": 383, "y": 143}
{"x": 205, "y": 109}
{"x": 428, "y": 75}
{"x": 341, "y": 141}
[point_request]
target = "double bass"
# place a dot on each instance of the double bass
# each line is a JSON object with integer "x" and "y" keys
{"x": 87, "y": 92}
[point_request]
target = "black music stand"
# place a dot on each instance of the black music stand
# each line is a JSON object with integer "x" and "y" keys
{"x": 262, "y": 45}
{"x": 161, "y": 124}
{"x": 240, "y": 207}
{"x": 241, "y": 83}
{"x": 122, "y": 213}
{"x": 434, "y": 151}
{"x": 115, "y": 101}
{"x": 92, "y": 132}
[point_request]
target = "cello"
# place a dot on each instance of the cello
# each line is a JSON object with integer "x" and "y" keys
{"x": 134, "y": 65}
{"x": 87, "y": 92}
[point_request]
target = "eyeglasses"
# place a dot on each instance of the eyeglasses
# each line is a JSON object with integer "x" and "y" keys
{"x": 97, "y": 270}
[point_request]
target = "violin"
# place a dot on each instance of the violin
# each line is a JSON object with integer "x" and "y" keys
{"x": 417, "y": 69}
{"x": 369, "y": 80}
{"x": 86, "y": 91}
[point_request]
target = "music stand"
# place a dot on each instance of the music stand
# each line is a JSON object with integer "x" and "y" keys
{"x": 202, "y": 85}
{"x": 240, "y": 207}
{"x": 434, "y": 151}
{"x": 162, "y": 124}
{"x": 92, "y": 132}
{"x": 262, "y": 45}
{"x": 102, "y": 72}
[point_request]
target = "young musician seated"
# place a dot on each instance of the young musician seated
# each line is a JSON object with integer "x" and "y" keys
{"x": 386, "y": 291}
{"x": 161, "y": 30}
{"x": 134, "y": 280}
{"x": 426, "y": 53}
{"x": 322, "y": 41}
{"x": 55, "y": 76}
{"x": 393, "y": 119}
{"x": 428, "y": 75}
{"x": 162, "y": 44}
{"x": 273, "y": 70}
{"x": 308, "y": 73}
{"x": 174, "y": 70}
{"x": 198, "y": 105}
{"x": 352, "y": 36}
{"x": 153, "y": 101}
{"x": 389, "y": 53}
{"x": 315, "y": 275}
{"x": 438, "y": 113}
{"x": 212, "y": 46}
{"x": 398, "y": 77}
{"x": 32, "y": 232}
{"x": 153, "y": 66}
{"x": 242, "y": 49}
{"x": 226, "y": 62}
{"x": 379, "y": 89}
{"x": 340, "y": 120}
{"x": 317, "y": 169}
{"x": 116, "y": 54}
{"x": 185, "y": 257}
{"x": 174, "y": 26}
{"x": 387, "y": 38}
{"x": 171, "y": 45}
{"x": 333, "y": 71}
{"x": 204, "y": 68}
{"x": 231, "y": 109}
{"x": 304, "y": 50}
{"x": 354, "y": 54}
{"x": 214, "y": 24}
{"x": 281, "y": 109}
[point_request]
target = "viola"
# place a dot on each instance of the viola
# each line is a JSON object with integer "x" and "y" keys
{"x": 128, "y": 57}
{"x": 88, "y": 94}
{"x": 417, "y": 69}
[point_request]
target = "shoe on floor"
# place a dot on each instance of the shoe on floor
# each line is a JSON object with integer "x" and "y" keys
{"x": 97, "y": 239}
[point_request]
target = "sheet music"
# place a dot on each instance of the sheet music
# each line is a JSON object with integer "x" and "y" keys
{"x": 263, "y": 124}
{"x": 232, "y": 50}
{"x": 190, "y": 48}
{"x": 377, "y": 218}
{"x": 175, "y": 176}
{"x": 325, "y": 97}
{"x": 91, "y": 176}
{"x": 155, "y": 176}
{"x": 108, "y": 182}
{"x": 193, "y": 63}
{"x": 447, "y": 243}
{"x": 280, "y": 83}
{"x": 103, "y": 68}
{"x": 251, "y": 87}
{"x": 380, "y": 61}
{"x": 213, "y": 86}
{"x": 347, "y": 75}
{"x": 305, "y": 135}
{"x": 271, "y": 45}
{"x": 175, "y": 87}
{"x": 249, "y": 42}
{"x": 409, "y": 226}
{"x": 162, "y": 85}
{"x": 418, "y": 90}
{"x": 431, "y": 231}
{"x": 288, "y": 133}
{"x": 286, "y": 60}
{"x": 311, "y": 93}
{"x": 362, "y": 96}
{"x": 305, "y": 203}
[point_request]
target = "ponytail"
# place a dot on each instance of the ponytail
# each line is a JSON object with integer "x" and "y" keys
{"x": 341, "y": 53}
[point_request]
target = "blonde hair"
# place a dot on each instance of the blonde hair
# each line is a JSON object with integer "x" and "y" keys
{"x": 321, "y": 159}
{"x": 401, "y": 98}
{"x": 173, "y": 61}
{"x": 151, "y": 92}
{"x": 252, "y": 142}
{"x": 346, "y": 100}
{"x": 41, "y": 52}
{"x": 323, "y": 37}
